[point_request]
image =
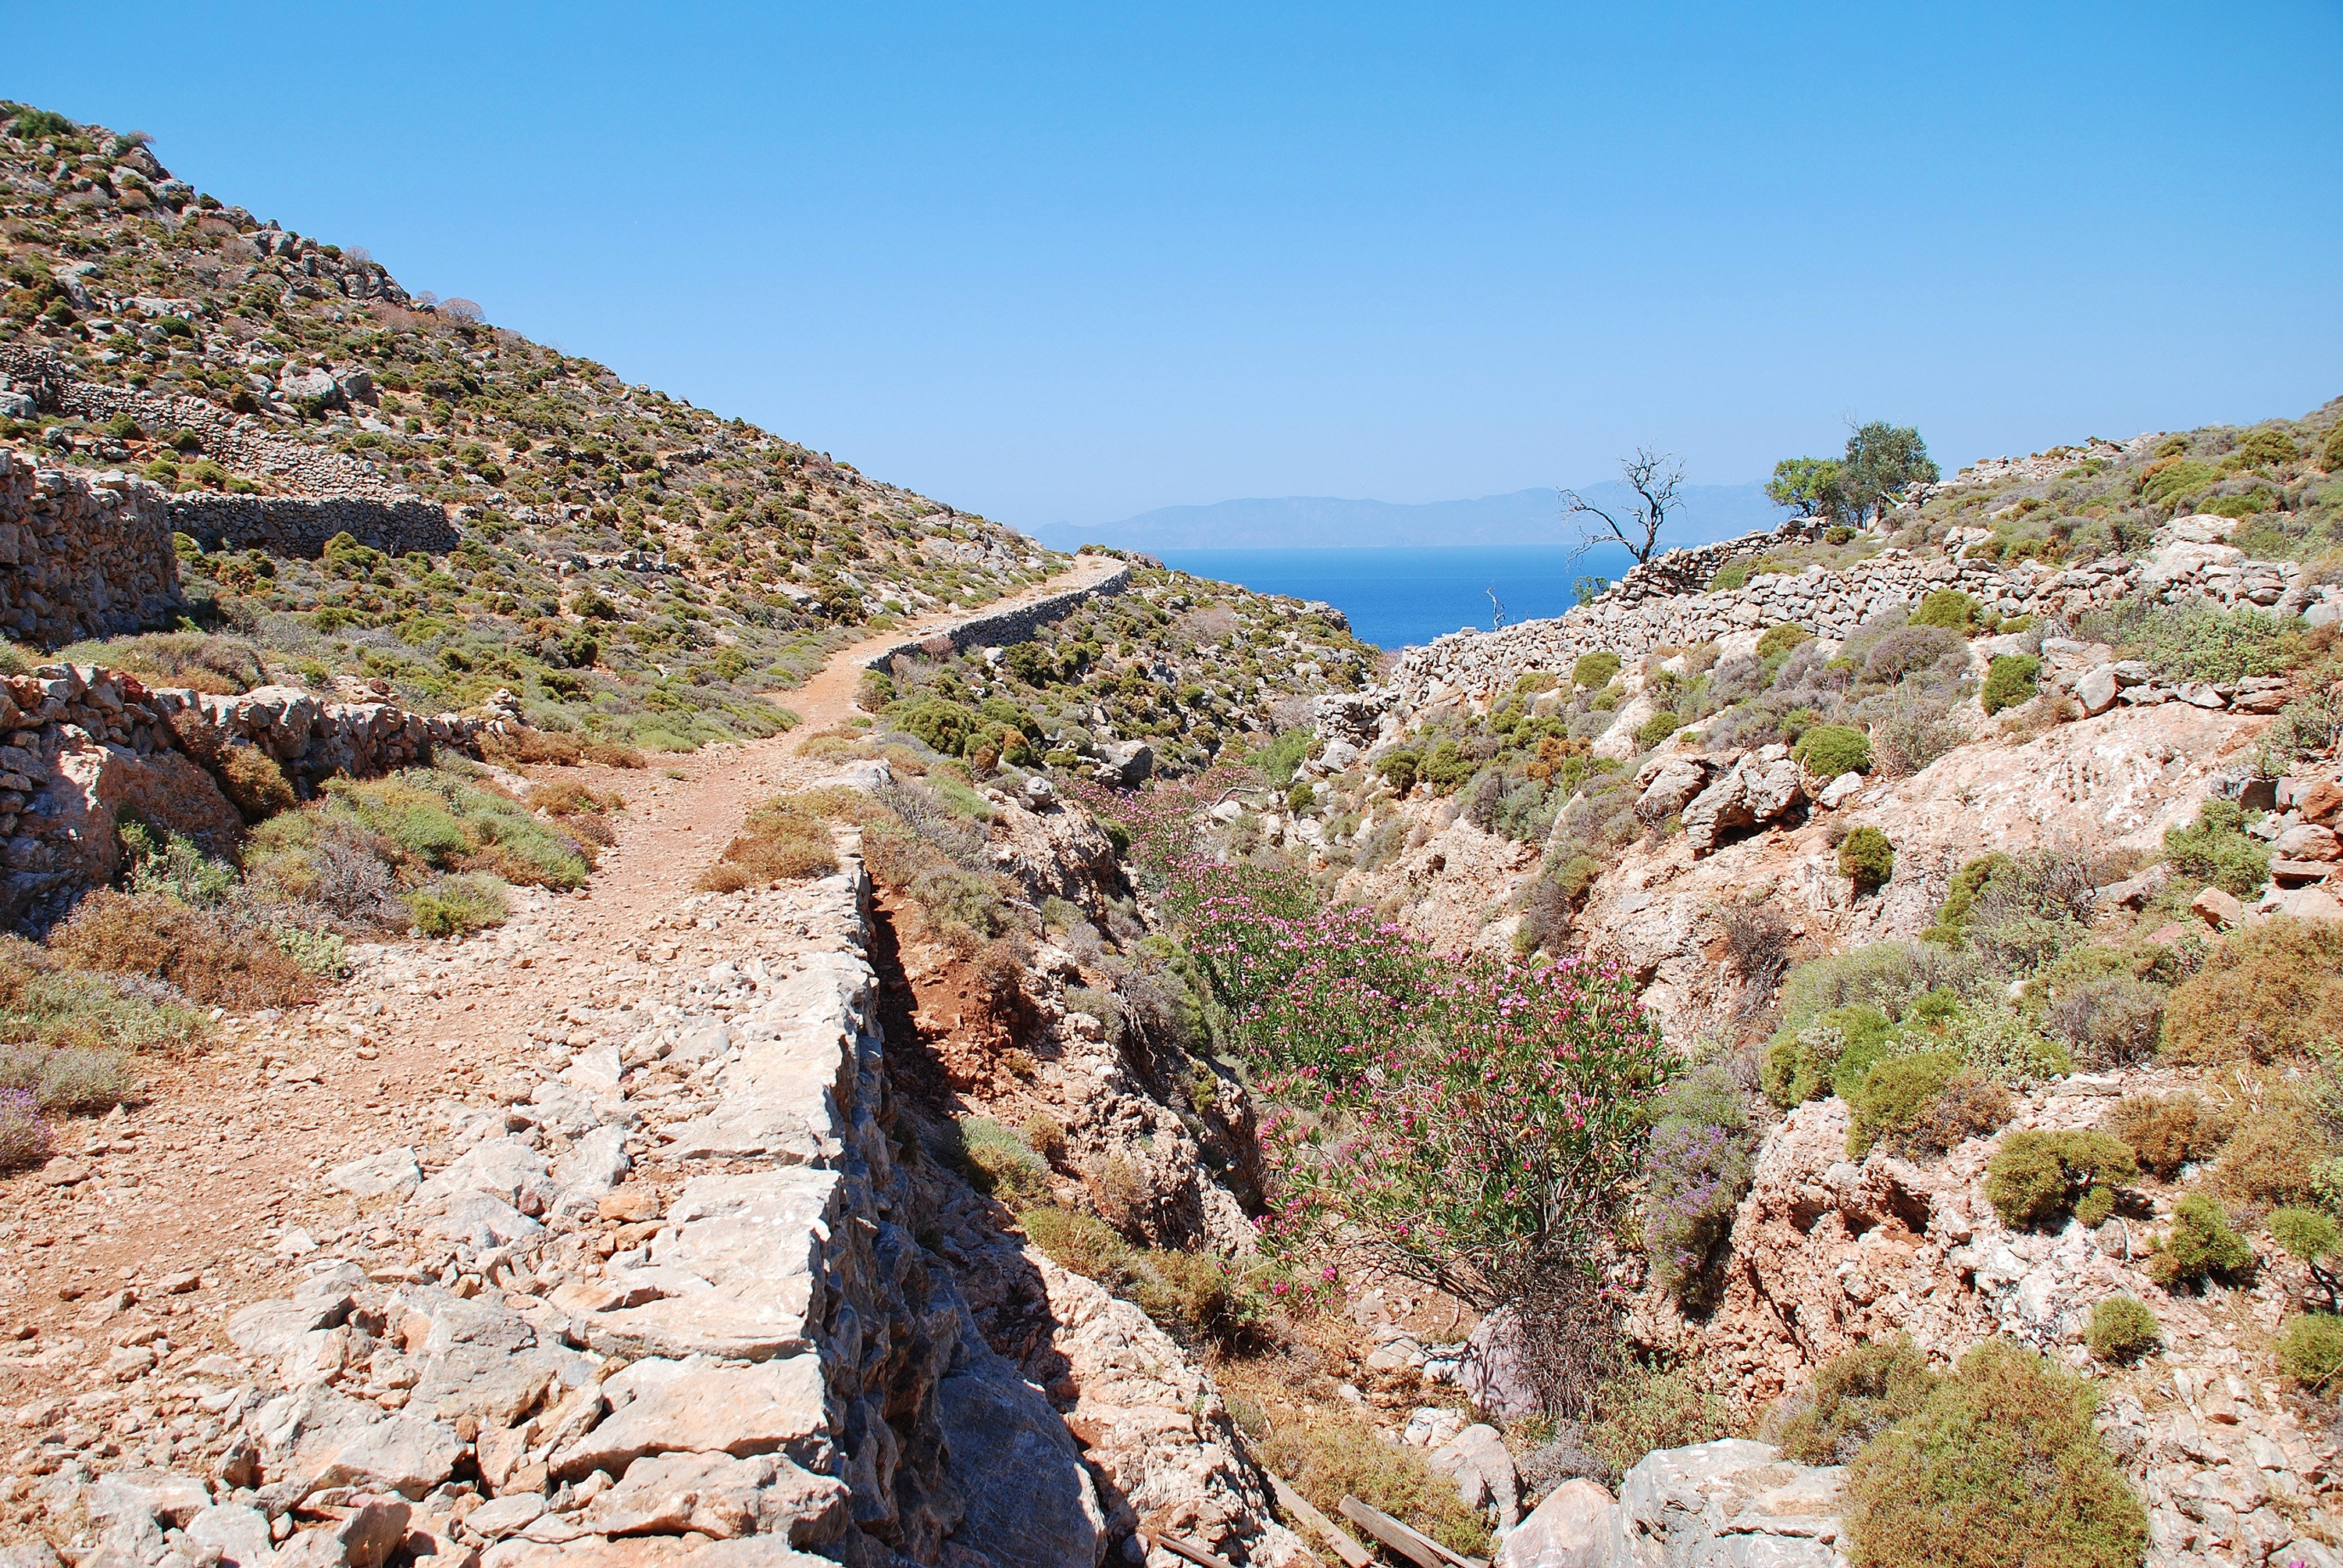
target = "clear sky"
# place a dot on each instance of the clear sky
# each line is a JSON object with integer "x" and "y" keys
{"x": 1070, "y": 263}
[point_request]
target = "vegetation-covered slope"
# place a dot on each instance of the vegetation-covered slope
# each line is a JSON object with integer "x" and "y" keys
{"x": 629, "y": 564}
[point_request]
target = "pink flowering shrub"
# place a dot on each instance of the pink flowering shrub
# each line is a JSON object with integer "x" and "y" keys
{"x": 1462, "y": 1122}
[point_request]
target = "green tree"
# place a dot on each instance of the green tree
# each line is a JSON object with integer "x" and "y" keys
{"x": 1809, "y": 487}
{"x": 1881, "y": 462}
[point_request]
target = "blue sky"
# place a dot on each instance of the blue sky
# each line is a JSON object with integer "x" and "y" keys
{"x": 1070, "y": 263}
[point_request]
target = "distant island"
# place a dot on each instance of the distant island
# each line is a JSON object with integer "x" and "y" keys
{"x": 1305, "y": 522}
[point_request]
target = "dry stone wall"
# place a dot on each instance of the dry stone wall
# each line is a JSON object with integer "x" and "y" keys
{"x": 82, "y": 555}
{"x": 243, "y": 443}
{"x": 301, "y": 526}
{"x": 758, "y": 1362}
{"x": 1662, "y": 605}
{"x": 1008, "y": 626}
{"x": 80, "y": 745}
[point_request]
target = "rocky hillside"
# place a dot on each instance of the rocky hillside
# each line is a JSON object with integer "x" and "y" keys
{"x": 624, "y": 564}
{"x": 1828, "y": 1054}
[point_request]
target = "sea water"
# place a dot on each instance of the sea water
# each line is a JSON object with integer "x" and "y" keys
{"x": 1399, "y": 595}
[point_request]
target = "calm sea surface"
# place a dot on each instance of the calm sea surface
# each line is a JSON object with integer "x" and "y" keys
{"x": 1402, "y": 596}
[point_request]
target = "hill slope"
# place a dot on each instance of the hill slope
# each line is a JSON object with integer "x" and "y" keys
{"x": 629, "y": 564}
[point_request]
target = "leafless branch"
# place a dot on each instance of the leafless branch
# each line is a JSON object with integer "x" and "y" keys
{"x": 1655, "y": 478}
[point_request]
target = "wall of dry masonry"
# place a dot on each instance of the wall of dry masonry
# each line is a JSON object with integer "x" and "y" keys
{"x": 243, "y": 443}
{"x": 1008, "y": 626}
{"x": 1662, "y": 604}
{"x": 81, "y": 745}
{"x": 82, "y": 557}
{"x": 301, "y": 525}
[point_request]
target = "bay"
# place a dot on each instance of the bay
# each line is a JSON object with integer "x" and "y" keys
{"x": 1402, "y": 596}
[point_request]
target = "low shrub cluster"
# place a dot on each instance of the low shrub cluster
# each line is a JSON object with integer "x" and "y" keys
{"x": 1851, "y": 1399}
{"x": 1697, "y": 1165}
{"x": 2036, "y": 1178}
{"x": 784, "y": 840}
{"x": 1999, "y": 1466}
{"x": 2122, "y": 1330}
{"x": 2203, "y": 1245}
{"x": 1201, "y": 1299}
{"x": 1327, "y": 1456}
{"x": 2167, "y": 1131}
{"x": 2270, "y": 992}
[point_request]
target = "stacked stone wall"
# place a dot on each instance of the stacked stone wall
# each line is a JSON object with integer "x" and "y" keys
{"x": 1008, "y": 626}
{"x": 300, "y": 525}
{"x": 1649, "y": 609}
{"x": 82, "y": 555}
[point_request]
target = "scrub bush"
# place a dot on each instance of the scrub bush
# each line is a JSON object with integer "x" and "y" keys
{"x": 2271, "y": 992}
{"x": 1827, "y": 750}
{"x": 1867, "y": 858}
{"x": 1999, "y": 1468}
{"x": 2166, "y": 1132}
{"x": 2122, "y": 1330}
{"x": 2036, "y": 1177}
{"x": 1855, "y": 1396}
{"x": 2203, "y": 1245}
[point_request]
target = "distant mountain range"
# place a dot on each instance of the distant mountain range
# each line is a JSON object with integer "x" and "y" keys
{"x": 1302, "y": 522}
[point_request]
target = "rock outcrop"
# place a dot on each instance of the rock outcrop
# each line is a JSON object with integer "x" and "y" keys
{"x": 81, "y": 744}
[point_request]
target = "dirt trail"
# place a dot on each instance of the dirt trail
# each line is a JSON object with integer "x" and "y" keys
{"x": 213, "y": 1179}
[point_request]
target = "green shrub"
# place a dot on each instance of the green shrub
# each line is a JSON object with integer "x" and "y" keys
{"x": 1779, "y": 640}
{"x": 1733, "y": 574}
{"x": 2266, "y": 447}
{"x": 2311, "y": 1235}
{"x": 2310, "y": 1350}
{"x": 1327, "y": 1455}
{"x": 457, "y": 906}
{"x": 2273, "y": 1158}
{"x": 1855, "y": 1396}
{"x": 2172, "y": 481}
{"x": 1656, "y": 728}
{"x": 1827, "y": 750}
{"x": 2009, "y": 681}
{"x": 2037, "y": 1177}
{"x": 1280, "y": 758}
{"x": 1867, "y": 858}
{"x": 2330, "y": 452}
{"x": 998, "y": 1162}
{"x": 2203, "y": 1245}
{"x": 2191, "y": 643}
{"x": 72, "y": 1078}
{"x": 2165, "y": 1132}
{"x": 2218, "y": 849}
{"x": 255, "y": 783}
{"x": 1595, "y": 671}
{"x": 1947, "y": 608}
{"x": 1646, "y": 1408}
{"x": 1892, "y": 1092}
{"x": 1999, "y": 1468}
{"x": 2122, "y": 1330}
{"x": 1399, "y": 769}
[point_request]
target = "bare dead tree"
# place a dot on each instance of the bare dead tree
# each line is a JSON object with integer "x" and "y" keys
{"x": 1655, "y": 478}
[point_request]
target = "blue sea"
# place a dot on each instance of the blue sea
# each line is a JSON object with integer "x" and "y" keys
{"x": 1401, "y": 595}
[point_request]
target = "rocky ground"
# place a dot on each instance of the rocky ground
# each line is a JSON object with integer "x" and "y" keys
{"x": 262, "y": 1281}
